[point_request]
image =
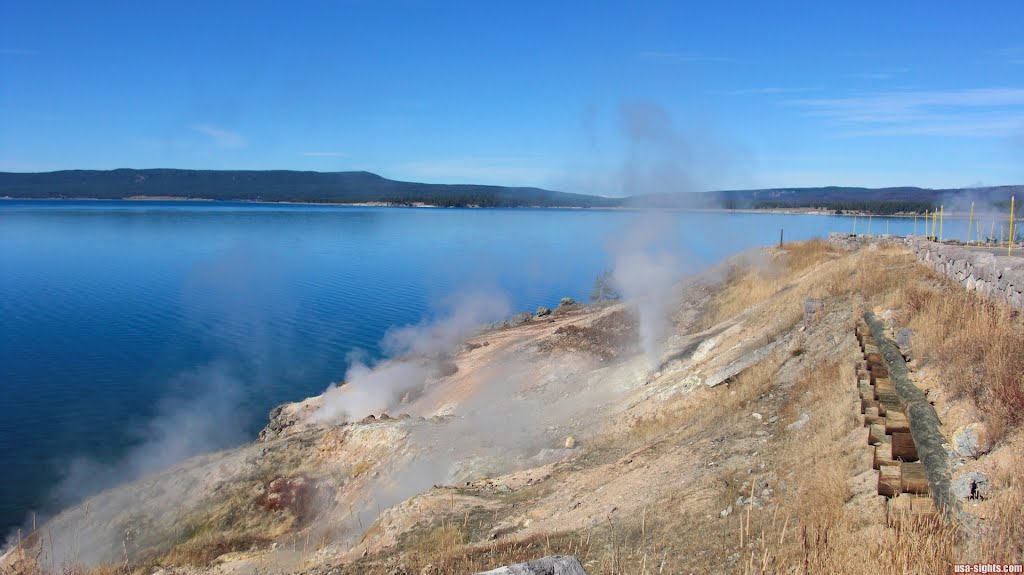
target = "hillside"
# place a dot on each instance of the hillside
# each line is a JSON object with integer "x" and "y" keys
{"x": 744, "y": 450}
{"x": 278, "y": 186}
{"x": 365, "y": 187}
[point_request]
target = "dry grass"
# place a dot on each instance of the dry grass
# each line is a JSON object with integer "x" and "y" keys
{"x": 749, "y": 285}
{"x": 977, "y": 345}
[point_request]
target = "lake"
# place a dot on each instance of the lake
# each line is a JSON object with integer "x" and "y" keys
{"x": 136, "y": 333}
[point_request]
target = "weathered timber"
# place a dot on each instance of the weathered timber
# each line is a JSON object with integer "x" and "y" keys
{"x": 876, "y": 434}
{"x": 903, "y": 447}
{"x": 912, "y": 479}
{"x": 896, "y": 422}
{"x": 889, "y": 480}
{"x": 554, "y": 565}
{"x": 906, "y": 505}
{"x": 883, "y": 456}
{"x": 924, "y": 422}
{"x": 871, "y": 416}
{"x": 866, "y": 402}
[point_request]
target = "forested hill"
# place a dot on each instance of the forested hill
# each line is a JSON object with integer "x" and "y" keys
{"x": 278, "y": 186}
{"x": 361, "y": 187}
{"x": 873, "y": 200}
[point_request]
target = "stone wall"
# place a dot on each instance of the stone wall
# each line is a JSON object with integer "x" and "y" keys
{"x": 1000, "y": 277}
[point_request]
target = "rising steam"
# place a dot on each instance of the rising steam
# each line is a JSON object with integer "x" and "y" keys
{"x": 417, "y": 351}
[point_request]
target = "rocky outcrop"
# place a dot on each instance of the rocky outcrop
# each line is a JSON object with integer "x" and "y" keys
{"x": 556, "y": 565}
{"x": 971, "y": 440}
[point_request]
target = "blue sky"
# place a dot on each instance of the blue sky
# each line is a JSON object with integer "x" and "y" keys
{"x": 597, "y": 97}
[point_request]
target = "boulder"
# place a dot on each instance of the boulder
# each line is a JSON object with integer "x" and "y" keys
{"x": 518, "y": 319}
{"x": 903, "y": 338}
{"x": 971, "y": 485}
{"x": 813, "y": 310}
{"x": 971, "y": 440}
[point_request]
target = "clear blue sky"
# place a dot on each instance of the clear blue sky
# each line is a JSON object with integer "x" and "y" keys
{"x": 584, "y": 96}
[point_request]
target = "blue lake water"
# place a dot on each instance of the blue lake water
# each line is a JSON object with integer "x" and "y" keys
{"x": 121, "y": 323}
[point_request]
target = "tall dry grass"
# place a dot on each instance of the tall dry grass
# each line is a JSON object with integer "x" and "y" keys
{"x": 978, "y": 347}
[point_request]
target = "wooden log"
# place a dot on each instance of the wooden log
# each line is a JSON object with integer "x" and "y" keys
{"x": 554, "y": 565}
{"x": 903, "y": 447}
{"x": 876, "y": 434}
{"x": 896, "y": 422}
{"x": 907, "y": 506}
{"x": 889, "y": 480}
{"x": 878, "y": 370}
{"x": 900, "y": 504}
{"x": 883, "y": 456}
{"x": 913, "y": 478}
{"x": 922, "y": 506}
{"x": 889, "y": 404}
{"x": 866, "y": 402}
{"x": 871, "y": 416}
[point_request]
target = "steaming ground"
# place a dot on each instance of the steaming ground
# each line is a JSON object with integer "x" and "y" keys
{"x": 448, "y": 411}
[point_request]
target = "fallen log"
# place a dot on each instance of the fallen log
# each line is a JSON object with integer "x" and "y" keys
{"x": 924, "y": 422}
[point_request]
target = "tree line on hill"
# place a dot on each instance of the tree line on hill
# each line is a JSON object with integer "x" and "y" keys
{"x": 365, "y": 187}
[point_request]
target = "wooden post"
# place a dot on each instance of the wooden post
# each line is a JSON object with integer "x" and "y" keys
{"x": 780, "y": 237}
{"x": 1009, "y": 246}
{"x": 942, "y": 220}
{"x": 970, "y": 220}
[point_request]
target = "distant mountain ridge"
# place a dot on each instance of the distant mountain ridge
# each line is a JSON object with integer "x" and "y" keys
{"x": 365, "y": 187}
{"x": 278, "y": 186}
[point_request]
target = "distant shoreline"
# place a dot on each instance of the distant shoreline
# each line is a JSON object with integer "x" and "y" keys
{"x": 792, "y": 211}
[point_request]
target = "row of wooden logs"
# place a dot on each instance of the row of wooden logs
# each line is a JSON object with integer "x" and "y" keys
{"x": 901, "y": 477}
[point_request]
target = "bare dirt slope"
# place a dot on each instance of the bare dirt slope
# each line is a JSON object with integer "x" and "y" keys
{"x": 742, "y": 449}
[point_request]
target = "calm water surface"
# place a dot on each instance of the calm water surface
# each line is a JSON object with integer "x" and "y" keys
{"x": 132, "y": 323}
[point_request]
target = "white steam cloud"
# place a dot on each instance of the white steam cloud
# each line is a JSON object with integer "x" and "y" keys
{"x": 645, "y": 268}
{"x": 417, "y": 352}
